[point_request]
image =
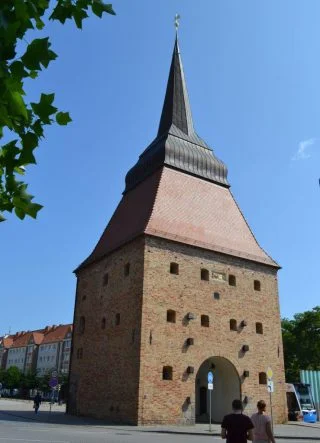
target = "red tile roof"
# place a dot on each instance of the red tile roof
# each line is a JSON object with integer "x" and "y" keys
{"x": 7, "y": 341}
{"x": 25, "y": 338}
{"x": 57, "y": 334}
{"x": 177, "y": 206}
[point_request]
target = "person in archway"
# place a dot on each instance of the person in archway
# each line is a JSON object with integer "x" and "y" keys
{"x": 262, "y": 432}
{"x": 237, "y": 427}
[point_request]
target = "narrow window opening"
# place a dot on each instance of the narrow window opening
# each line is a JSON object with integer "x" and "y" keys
{"x": 117, "y": 319}
{"x": 174, "y": 268}
{"x": 259, "y": 328}
{"x": 262, "y": 378}
{"x": 167, "y": 373}
{"x": 103, "y": 323}
{"x": 133, "y": 335}
{"x": 257, "y": 285}
{"x": 82, "y": 325}
{"x": 79, "y": 353}
{"x": 204, "y": 274}
{"x": 171, "y": 316}
{"x": 216, "y": 295}
{"x": 233, "y": 325}
{"x": 205, "y": 321}
{"x": 105, "y": 279}
{"x": 127, "y": 269}
{"x": 232, "y": 280}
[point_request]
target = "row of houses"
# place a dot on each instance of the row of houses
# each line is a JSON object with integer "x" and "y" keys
{"x": 42, "y": 350}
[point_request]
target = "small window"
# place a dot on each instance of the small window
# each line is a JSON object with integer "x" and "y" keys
{"x": 171, "y": 316}
{"x": 216, "y": 295}
{"x": 167, "y": 373}
{"x": 259, "y": 328}
{"x": 82, "y": 325}
{"x": 84, "y": 297}
{"x": 232, "y": 280}
{"x": 117, "y": 319}
{"x": 174, "y": 268}
{"x": 103, "y": 323}
{"x": 105, "y": 279}
{"x": 127, "y": 269}
{"x": 257, "y": 285}
{"x": 262, "y": 378}
{"x": 79, "y": 353}
{"x": 205, "y": 274}
{"x": 205, "y": 321}
{"x": 233, "y": 325}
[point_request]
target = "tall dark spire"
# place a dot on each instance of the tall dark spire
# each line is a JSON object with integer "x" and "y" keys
{"x": 177, "y": 145}
{"x": 176, "y": 107}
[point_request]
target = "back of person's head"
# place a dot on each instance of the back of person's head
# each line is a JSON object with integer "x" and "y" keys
{"x": 261, "y": 405}
{"x": 237, "y": 405}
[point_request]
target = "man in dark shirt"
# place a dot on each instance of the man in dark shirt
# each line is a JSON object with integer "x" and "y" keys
{"x": 236, "y": 427}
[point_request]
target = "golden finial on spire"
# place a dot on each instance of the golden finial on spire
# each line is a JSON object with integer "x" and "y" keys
{"x": 176, "y": 21}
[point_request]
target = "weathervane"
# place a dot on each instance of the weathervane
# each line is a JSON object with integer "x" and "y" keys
{"x": 176, "y": 21}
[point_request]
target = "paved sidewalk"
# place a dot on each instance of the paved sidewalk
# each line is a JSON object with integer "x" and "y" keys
{"x": 22, "y": 409}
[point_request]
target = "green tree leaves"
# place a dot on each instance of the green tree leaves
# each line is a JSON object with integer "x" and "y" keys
{"x": 26, "y": 121}
{"x": 63, "y": 118}
{"x": 301, "y": 343}
{"x": 37, "y": 54}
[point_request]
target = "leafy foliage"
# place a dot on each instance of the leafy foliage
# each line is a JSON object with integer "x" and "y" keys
{"x": 23, "y": 121}
{"x": 301, "y": 342}
{"x": 12, "y": 377}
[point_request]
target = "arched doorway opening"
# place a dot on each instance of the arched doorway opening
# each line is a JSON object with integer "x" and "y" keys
{"x": 226, "y": 387}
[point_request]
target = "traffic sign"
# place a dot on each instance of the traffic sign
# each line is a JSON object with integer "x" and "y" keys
{"x": 53, "y": 382}
{"x": 270, "y": 386}
{"x": 269, "y": 373}
{"x": 210, "y": 386}
{"x": 210, "y": 377}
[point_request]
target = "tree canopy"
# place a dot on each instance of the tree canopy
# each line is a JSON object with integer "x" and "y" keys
{"x": 22, "y": 123}
{"x": 301, "y": 342}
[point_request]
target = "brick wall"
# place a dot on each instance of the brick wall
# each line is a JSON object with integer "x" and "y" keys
{"x": 105, "y": 361}
{"x": 165, "y": 400}
{"x": 119, "y": 376}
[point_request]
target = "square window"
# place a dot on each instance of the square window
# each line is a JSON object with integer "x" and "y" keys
{"x": 174, "y": 268}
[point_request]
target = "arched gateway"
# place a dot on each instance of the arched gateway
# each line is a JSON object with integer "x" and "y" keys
{"x": 226, "y": 388}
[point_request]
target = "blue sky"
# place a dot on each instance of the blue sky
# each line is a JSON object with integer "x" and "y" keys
{"x": 252, "y": 71}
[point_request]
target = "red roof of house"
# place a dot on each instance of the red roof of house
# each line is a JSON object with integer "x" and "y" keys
{"x": 57, "y": 334}
{"x": 177, "y": 206}
{"x": 7, "y": 341}
{"x": 24, "y": 339}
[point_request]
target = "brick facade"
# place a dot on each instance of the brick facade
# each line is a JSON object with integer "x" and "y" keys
{"x": 125, "y": 383}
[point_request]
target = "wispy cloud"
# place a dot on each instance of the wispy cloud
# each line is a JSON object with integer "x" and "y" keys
{"x": 302, "y": 153}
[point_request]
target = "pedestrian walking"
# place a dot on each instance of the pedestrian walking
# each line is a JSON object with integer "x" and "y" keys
{"x": 37, "y": 402}
{"x": 237, "y": 427}
{"x": 262, "y": 432}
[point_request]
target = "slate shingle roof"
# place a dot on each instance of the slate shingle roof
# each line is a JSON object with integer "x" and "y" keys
{"x": 177, "y": 145}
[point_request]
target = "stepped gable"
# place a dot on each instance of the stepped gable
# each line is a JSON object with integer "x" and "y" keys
{"x": 178, "y": 189}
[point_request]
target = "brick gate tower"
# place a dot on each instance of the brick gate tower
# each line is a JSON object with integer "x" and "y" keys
{"x": 176, "y": 286}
